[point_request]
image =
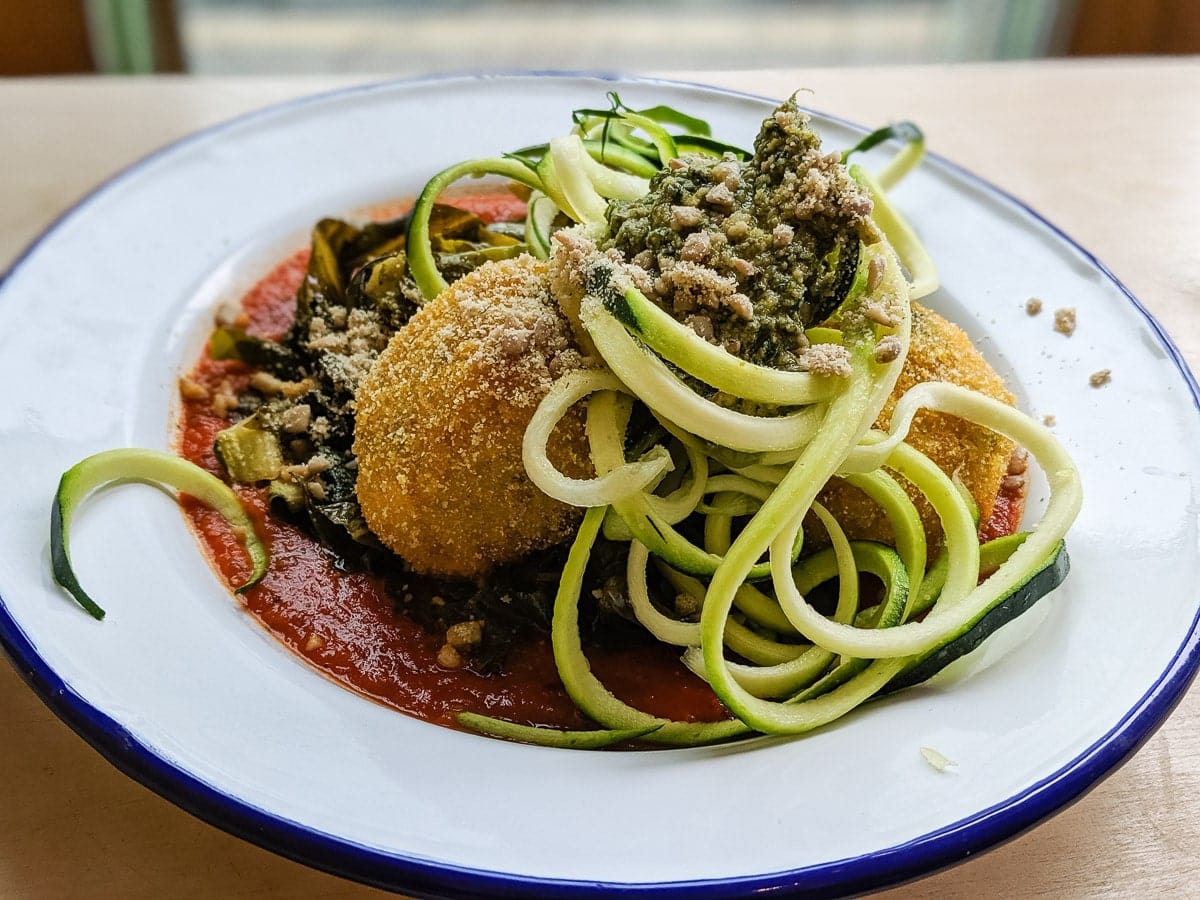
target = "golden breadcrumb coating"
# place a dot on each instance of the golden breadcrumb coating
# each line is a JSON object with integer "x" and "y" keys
{"x": 441, "y": 416}
{"x": 939, "y": 351}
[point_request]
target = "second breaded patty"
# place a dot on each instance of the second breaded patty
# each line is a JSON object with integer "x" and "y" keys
{"x": 938, "y": 351}
{"x": 441, "y": 417}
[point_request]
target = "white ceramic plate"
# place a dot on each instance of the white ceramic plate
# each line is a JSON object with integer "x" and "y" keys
{"x": 183, "y": 691}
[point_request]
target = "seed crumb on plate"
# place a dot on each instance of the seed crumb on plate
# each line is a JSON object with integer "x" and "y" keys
{"x": 1064, "y": 320}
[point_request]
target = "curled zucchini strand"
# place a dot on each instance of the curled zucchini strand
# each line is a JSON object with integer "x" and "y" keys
{"x": 611, "y": 485}
{"x": 157, "y": 468}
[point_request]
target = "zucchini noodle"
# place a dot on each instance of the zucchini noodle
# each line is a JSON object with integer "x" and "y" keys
{"x": 676, "y": 343}
{"x": 661, "y": 390}
{"x": 619, "y": 482}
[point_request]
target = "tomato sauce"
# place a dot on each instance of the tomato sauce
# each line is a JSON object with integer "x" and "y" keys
{"x": 346, "y": 625}
{"x": 1006, "y": 513}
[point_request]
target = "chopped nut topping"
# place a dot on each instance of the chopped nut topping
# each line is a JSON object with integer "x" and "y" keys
{"x": 683, "y": 217}
{"x": 880, "y": 316}
{"x": 230, "y": 312}
{"x": 1018, "y": 463}
{"x": 1101, "y": 378}
{"x": 449, "y": 658}
{"x": 1012, "y": 482}
{"x": 304, "y": 471}
{"x": 296, "y": 418}
{"x": 723, "y": 170}
{"x": 826, "y": 359}
{"x": 1033, "y": 306}
{"x": 465, "y": 635}
{"x": 314, "y": 642}
{"x": 875, "y": 272}
{"x": 515, "y": 341}
{"x": 702, "y": 325}
{"x": 191, "y": 390}
{"x": 696, "y": 246}
{"x": 1064, "y": 320}
{"x": 225, "y": 399}
{"x": 741, "y": 306}
{"x": 720, "y": 196}
{"x": 743, "y": 267}
{"x": 269, "y": 384}
{"x": 887, "y": 349}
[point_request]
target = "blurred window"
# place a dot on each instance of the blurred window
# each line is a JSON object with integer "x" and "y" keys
{"x": 406, "y": 37}
{"x": 411, "y": 36}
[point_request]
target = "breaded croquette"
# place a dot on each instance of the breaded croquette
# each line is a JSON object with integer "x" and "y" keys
{"x": 441, "y": 417}
{"x": 939, "y": 351}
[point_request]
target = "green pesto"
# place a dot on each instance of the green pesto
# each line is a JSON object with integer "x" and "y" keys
{"x": 781, "y": 231}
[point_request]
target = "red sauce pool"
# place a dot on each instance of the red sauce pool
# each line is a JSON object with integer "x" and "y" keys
{"x": 345, "y": 624}
{"x": 1006, "y": 513}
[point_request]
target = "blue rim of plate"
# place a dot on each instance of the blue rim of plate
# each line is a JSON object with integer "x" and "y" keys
{"x": 944, "y": 847}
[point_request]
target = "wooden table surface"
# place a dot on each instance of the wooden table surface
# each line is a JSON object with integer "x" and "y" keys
{"x": 1108, "y": 150}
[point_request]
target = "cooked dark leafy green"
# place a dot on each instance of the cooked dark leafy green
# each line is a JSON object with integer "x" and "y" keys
{"x": 356, "y": 293}
{"x": 514, "y": 600}
{"x": 228, "y": 342}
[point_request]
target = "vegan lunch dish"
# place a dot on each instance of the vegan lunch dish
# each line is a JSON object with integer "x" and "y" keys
{"x": 644, "y": 439}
